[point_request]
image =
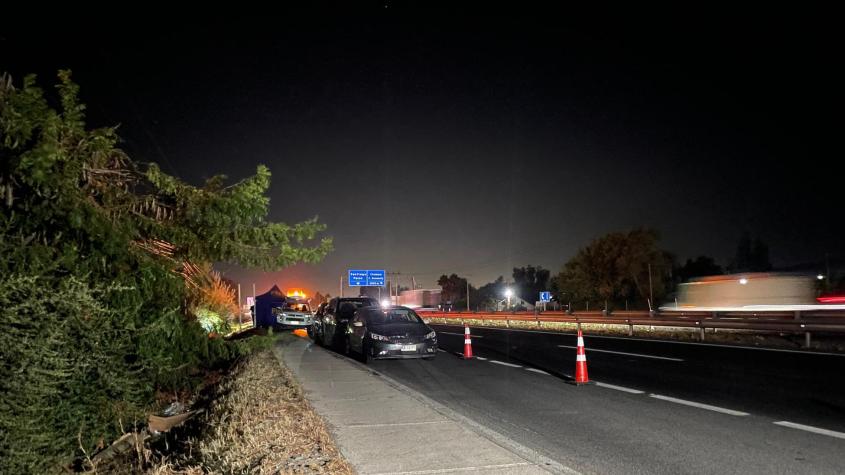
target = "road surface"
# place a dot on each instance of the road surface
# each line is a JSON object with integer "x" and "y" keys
{"x": 658, "y": 407}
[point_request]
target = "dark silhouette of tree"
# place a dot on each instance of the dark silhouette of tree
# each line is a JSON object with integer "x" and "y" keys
{"x": 454, "y": 289}
{"x": 701, "y": 266}
{"x": 529, "y": 281}
{"x": 751, "y": 256}
{"x": 616, "y": 267}
{"x": 760, "y": 257}
{"x": 489, "y": 294}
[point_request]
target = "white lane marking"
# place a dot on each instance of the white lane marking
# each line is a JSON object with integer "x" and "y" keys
{"x": 653, "y": 340}
{"x": 506, "y": 364}
{"x": 817, "y": 430}
{"x": 481, "y": 358}
{"x": 619, "y": 388}
{"x": 391, "y": 424}
{"x": 624, "y": 353}
{"x": 460, "y": 334}
{"x": 441, "y": 350}
{"x": 535, "y": 370}
{"x": 475, "y": 468}
{"x": 699, "y": 405}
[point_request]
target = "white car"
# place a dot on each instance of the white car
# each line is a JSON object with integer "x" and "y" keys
{"x": 295, "y": 314}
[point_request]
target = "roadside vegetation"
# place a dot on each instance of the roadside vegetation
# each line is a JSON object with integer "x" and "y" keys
{"x": 108, "y": 300}
{"x": 259, "y": 422}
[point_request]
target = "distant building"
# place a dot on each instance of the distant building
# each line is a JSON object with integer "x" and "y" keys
{"x": 426, "y": 298}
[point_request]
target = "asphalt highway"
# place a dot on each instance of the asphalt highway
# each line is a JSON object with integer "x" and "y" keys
{"x": 657, "y": 407}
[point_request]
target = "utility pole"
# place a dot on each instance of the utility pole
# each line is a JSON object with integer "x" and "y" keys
{"x": 650, "y": 290}
{"x": 254, "y": 322}
{"x": 390, "y": 287}
{"x": 340, "y": 290}
{"x": 467, "y": 295}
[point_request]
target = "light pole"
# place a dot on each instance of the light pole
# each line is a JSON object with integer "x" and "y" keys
{"x": 508, "y": 294}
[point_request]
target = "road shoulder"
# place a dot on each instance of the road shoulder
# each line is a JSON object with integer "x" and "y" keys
{"x": 384, "y": 427}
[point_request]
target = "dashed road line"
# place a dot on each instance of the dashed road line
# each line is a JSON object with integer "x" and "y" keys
{"x": 442, "y": 350}
{"x": 699, "y": 405}
{"x": 816, "y": 430}
{"x": 479, "y": 468}
{"x": 535, "y": 370}
{"x": 620, "y": 388}
{"x": 460, "y": 334}
{"x": 481, "y": 358}
{"x": 393, "y": 424}
{"x": 506, "y": 364}
{"x": 626, "y": 354}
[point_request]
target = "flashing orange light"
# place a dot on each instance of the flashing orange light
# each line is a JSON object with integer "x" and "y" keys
{"x": 296, "y": 293}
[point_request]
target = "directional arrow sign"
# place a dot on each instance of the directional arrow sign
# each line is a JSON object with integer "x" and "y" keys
{"x": 375, "y": 278}
{"x": 357, "y": 278}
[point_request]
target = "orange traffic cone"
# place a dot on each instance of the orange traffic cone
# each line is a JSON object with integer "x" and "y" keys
{"x": 581, "y": 362}
{"x": 467, "y": 343}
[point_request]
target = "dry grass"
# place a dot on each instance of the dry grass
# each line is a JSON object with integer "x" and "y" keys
{"x": 260, "y": 423}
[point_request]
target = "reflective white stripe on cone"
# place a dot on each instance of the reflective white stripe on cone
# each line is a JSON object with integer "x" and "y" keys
{"x": 581, "y": 362}
{"x": 467, "y": 343}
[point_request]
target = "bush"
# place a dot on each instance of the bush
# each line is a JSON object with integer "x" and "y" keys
{"x": 98, "y": 255}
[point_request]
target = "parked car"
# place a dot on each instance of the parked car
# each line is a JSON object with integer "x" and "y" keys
{"x": 318, "y": 314}
{"x": 392, "y": 332}
{"x": 330, "y": 325}
{"x": 295, "y": 313}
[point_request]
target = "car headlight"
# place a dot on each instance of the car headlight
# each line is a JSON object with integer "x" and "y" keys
{"x": 431, "y": 336}
{"x": 378, "y": 337}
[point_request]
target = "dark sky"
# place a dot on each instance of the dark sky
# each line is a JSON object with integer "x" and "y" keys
{"x": 439, "y": 141}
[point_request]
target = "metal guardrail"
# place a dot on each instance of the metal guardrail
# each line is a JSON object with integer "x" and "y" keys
{"x": 806, "y": 322}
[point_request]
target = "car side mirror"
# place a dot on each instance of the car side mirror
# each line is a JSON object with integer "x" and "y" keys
{"x": 357, "y": 324}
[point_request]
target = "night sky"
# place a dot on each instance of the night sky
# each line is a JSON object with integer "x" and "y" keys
{"x": 438, "y": 141}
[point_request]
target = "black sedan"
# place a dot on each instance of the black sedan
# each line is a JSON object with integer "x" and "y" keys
{"x": 392, "y": 332}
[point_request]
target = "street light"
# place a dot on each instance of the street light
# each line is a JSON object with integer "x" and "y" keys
{"x": 820, "y": 277}
{"x": 508, "y": 294}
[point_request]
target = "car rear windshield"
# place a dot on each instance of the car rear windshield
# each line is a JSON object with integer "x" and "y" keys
{"x": 358, "y": 303}
{"x": 393, "y": 315}
{"x": 297, "y": 306}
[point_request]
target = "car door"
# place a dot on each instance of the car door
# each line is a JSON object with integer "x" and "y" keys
{"x": 357, "y": 329}
{"x": 345, "y": 311}
{"x": 329, "y": 322}
{"x": 316, "y": 326}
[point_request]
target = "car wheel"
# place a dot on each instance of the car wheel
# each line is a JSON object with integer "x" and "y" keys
{"x": 338, "y": 341}
{"x": 362, "y": 357}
